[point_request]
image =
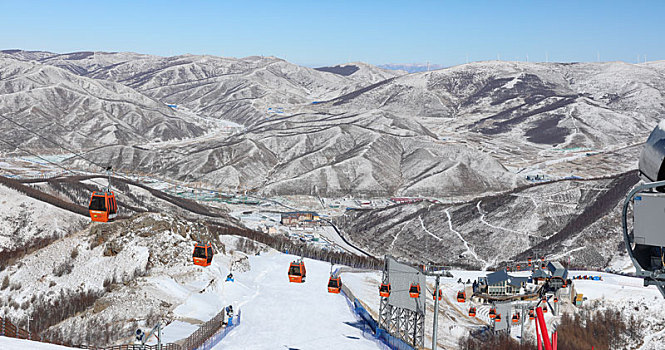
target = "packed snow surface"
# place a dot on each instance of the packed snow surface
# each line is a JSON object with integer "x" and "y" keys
{"x": 280, "y": 314}
{"x": 22, "y": 344}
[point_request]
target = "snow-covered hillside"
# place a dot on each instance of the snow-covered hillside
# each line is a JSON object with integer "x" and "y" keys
{"x": 77, "y": 112}
{"x": 25, "y": 220}
{"x": 576, "y": 219}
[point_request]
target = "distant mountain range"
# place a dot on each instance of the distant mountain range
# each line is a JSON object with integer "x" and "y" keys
{"x": 411, "y": 67}
{"x": 334, "y": 131}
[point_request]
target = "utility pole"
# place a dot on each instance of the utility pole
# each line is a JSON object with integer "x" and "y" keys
{"x": 437, "y": 272}
{"x": 522, "y": 326}
{"x": 436, "y": 312}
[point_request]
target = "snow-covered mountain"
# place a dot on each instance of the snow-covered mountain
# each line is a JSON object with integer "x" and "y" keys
{"x": 522, "y": 112}
{"x": 411, "y": 67}
{"x": 371, "y": 154}
{"x": 355, "y": 127}
{"x": 571, "y": 218}
{"x": 79, "y": 112}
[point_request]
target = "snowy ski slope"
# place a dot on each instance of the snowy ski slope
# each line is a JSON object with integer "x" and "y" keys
{"x": 279, "y": 314}
{"x": 22, "y": 344}
{"x": 274, "y": 312}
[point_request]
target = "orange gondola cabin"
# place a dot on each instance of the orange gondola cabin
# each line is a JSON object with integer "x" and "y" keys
{"x": 103, "y": 207}
{"x": 532, "y": 314}
{"x": 202, "y": 254}
{"x": 440, "y": 295}
{"x": 384, "y": 290}
{"x": 492, "y": 313}
{"x": 334, "y": 285}
{"x": 297, "y": 272}
{"x": 472, "y": 311}
{"x": 516, "y": 318}
{"x": 497, "y": 318}
{"x": 461, "y": 296}
{"x": 414, "y": 290}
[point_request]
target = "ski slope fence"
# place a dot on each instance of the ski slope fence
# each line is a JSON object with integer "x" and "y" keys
{"x": 380, "y": 334}
{"x": 206, "y": 337}
{"x": 219, "y": 335}
{"x": 8, "y": 329}
{"x": 209, "y": 334}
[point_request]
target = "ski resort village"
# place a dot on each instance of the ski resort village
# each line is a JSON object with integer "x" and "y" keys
{"x": 185, "y": 176}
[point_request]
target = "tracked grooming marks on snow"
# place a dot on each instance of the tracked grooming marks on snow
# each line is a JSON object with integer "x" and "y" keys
{"x": 466, "y": 244}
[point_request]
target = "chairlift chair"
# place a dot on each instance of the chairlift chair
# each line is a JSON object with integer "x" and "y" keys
{"x": 414, "y": 290}
{"x": 334, "y": 285}
{"x": 384, "y": 290}
{"x": 297, "y": 272}
{"x": 202, "y": 254}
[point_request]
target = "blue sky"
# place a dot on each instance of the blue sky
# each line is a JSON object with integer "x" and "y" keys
{"x": 318, "y": 33}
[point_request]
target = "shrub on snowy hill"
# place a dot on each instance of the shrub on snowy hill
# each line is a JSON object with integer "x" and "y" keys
{"x": 488, "y": 341}
{"x": 601, "y": 330}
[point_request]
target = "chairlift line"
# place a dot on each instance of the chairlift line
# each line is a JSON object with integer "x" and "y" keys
{"x": 51, "y": 141}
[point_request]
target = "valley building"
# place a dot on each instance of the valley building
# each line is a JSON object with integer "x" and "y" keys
{"x": 500, "y": 283}
{"x": 301, "y": 218}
